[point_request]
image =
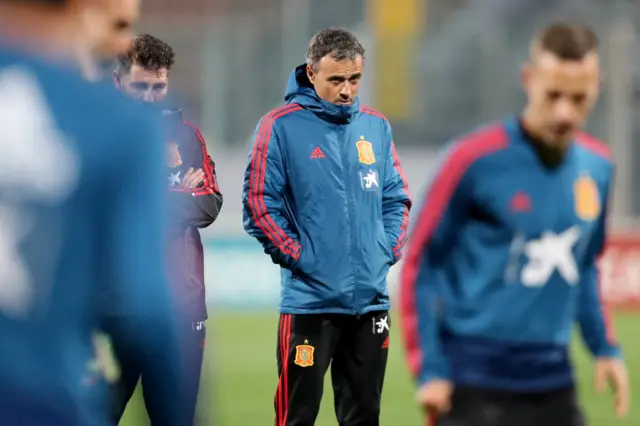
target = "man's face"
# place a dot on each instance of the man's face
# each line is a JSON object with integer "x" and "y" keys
{"x": 337, "y": 81}
{"x": 561, "y": 94}
{"x": 143, "y": 84}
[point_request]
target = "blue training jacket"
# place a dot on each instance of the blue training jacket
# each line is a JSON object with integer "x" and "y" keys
{"x": 325, "y": 195}
{"x": 502, "y": 262}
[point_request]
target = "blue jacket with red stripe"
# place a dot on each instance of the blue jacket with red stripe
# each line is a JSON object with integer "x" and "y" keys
{"x": 325, "y": 196}
{"x": 502, "y": 261}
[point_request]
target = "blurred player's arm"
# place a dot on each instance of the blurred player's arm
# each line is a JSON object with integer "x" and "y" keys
{"x": 594, "y": 319}
{"x": 396, "y": 201}
{"x": 262, "y": 197}
{"x": 433, "y": 236}
{"x": 596, "y": 325}
{"x": 134, "y": 235}
{"x": 198, "y": 206}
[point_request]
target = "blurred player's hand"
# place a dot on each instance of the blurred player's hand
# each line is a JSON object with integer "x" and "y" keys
{"x": 435, "y": 396}
{"x": 612, "y": 371}
{"x": 192, "y": 178}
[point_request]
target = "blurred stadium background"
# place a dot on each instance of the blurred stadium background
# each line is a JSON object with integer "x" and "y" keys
{"x": 435, "y": 68}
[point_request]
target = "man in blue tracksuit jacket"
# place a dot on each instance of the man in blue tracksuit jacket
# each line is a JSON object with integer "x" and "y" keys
{"x": 502, "y": 259}
{"x": 325, "y": 195}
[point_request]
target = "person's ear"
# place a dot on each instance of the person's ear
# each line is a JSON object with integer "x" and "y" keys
{"x": 311, "y": 75}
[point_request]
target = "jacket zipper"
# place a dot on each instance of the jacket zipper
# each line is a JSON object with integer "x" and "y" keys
{"x": 349, "y": 204}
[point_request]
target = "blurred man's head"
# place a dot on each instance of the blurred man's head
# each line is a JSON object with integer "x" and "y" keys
{"x": 108, "y": 30}
{"x": 86, "y": 32}
{"x": 143, "y": 72}
{"x": 116, "y": 28}
{"x": 562, "y": 82}
{"x": 335, "y": 60}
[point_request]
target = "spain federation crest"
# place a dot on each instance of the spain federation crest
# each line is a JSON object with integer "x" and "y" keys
{"x": 304, "y": 355}
{"x": 173, "y": 155}
{"x": 365, "y": 152}
{"x": 586, "y": 198}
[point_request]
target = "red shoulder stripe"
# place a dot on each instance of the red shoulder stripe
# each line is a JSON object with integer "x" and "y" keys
{"x": 371, "y": 111}
{"x": 594, "y": 145}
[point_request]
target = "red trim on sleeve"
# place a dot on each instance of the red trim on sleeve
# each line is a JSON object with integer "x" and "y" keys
{"x": 397, "y": 249}
{"x": 257, "y": 174}
{"x": 210, "y": 182}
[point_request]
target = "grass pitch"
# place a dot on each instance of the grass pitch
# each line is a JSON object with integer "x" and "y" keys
{"x": 240, "y": 377}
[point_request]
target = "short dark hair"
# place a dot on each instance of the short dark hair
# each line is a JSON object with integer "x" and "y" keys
{"x": 339, "y": 43}
{"x": 149, "y": 52}
{"x": 567, "y": 41}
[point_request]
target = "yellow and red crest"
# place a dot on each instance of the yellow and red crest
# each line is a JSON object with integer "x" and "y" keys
{"x": 173, "y": 155}
{"x": 586, "y": 198}
{"x": 365, "y": 152}
{"x": 304, "y": 355}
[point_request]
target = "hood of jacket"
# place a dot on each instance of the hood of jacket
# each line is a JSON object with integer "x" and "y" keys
{"x": 300, "y": 91}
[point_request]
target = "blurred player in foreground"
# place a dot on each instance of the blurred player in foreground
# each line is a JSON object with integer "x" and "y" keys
{"x": 80, "y": 211}
{"x": 194, "y": 201}
{"x": 325, "y": 195}
{"x": 502, "y": 260}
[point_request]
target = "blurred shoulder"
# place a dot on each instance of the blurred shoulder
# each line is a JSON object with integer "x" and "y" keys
{"x": 479, "y": 146}
{"x": 51, "y": 107}
{"x": 68, "y": 97}
{"x": 596, "y": 157}
{"x": 597, "y": 149}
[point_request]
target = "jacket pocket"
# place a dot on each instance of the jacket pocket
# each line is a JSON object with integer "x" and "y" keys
{"x": 383, "y": 243}
{"x": 306, "y": 262}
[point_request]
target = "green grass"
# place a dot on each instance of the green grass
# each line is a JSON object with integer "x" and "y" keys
{"x": 240, "y": 377}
